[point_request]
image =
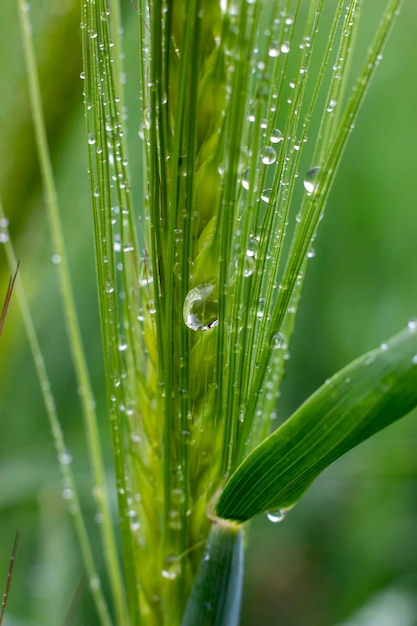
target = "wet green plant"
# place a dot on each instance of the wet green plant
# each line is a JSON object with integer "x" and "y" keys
{"x": 246, "y": 108}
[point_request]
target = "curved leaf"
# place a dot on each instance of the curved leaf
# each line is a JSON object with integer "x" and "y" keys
{"x": 216, "y": 594}
{"x": 369, "y": 394}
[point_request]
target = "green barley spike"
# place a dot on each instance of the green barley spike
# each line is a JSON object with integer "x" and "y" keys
{"x": 224, "y": 129}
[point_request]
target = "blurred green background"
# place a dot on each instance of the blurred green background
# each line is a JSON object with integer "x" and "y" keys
{"x": 347, "y": 554}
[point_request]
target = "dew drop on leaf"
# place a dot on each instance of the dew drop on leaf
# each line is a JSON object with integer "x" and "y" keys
{"x": 245, "y": 179}
{"x": 268, "y": 156}
{"x": 266, "y": 195}
{"x": 249, "y": 267}
{"x": 276, "y": 136}
{"x": 412, "y": 325}
{"x": 276, "y": 516}
{"x": 200, "y": 311}
{"x": 310, "y": 180}
{"x": 277, "y": 341}
{"x": 252, "y": 248}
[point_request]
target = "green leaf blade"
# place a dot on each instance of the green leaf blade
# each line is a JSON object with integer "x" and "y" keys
{"x": 366, "y": 396}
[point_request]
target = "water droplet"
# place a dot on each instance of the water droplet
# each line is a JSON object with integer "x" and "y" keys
{"x": 260, "y": 312}
{"x": 414, "y": 359}
{"x": 171, "y": 572}
{"x": 285, "y": 47}
{"x": 266, "y": 195}
{"x": 109, "y": 287}
{"x": 273, "y": 51}
{"x": 276, "y": 136}
{"x": 268, "y": 156}
{"x": 200, "y": 310}
{"x": 249, "y": 267}
{"x": 56, "y": 259}
{"x": 277, "y": 341}
{"x": 276, "y": 516}
{"x": 311, "y": 253}
{"x": 95, "y": 583}
{"x": 412, "y": 325}
{"x": 246, "y": 179}
{"x": 253, "y": 245}
{"x": 65, "y": 458}
{"x": 384, "y": 346}
{"x": 331, "y": 106}
{"x": 310, "y": 180}
{"x": 151, "y": 306}
{"x": 91, "y": 139}
{"x": 67, "y": 493}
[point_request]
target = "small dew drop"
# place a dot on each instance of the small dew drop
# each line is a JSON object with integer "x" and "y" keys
{"x": 151, "y": 306}
{"x": 276, "y": 136}
{"x": 249, "y": 267}
{"x": 311, "y": 253}
{"x": 412, "y": 325}
{"x": 91, "y": 139}
{"x": 94, "y": 583}
{"x": 276, "y": 516}
{"x": 274, "y": 51}
{"x": 65, "y": 458}
{"x": 266, "y": 195}
{"x": 414, "y": 359}
{"x": 253, "y": 245}
{"x": 245, "y": 179}
{"x": 260, "y": 311}
{"x": 269, "y": 156}
{"x": 56, "y": 259}
{"x": 285, "y": 47}
{"x": 67, "y": 493}
{"x": 310, "y": 180}
{"x": 277, "y": 341}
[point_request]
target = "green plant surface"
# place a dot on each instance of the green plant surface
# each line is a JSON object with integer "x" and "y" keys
{"x": 366, "y": 396}
{"x": 329, "y": 334}
{"x": 216, "y": 594}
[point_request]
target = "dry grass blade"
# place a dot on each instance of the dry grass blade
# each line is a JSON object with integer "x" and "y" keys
{"x": 12, "y": 562}
{"x": 7, "y": 299}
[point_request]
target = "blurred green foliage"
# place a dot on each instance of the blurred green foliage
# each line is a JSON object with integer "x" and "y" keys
{"x": 352, "y": 537}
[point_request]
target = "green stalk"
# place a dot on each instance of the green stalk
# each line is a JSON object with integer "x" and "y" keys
{"x": 86, "y": 394}
{"x": 70, "y": 489}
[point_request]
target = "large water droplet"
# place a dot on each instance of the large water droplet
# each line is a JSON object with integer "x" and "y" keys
{"x": 268, "y": 156}
{"x": 310, "y": 180}
{"x": 276, "y": 516}
{"x": 285, "y": 47}
{"x": 201, "y": 308}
